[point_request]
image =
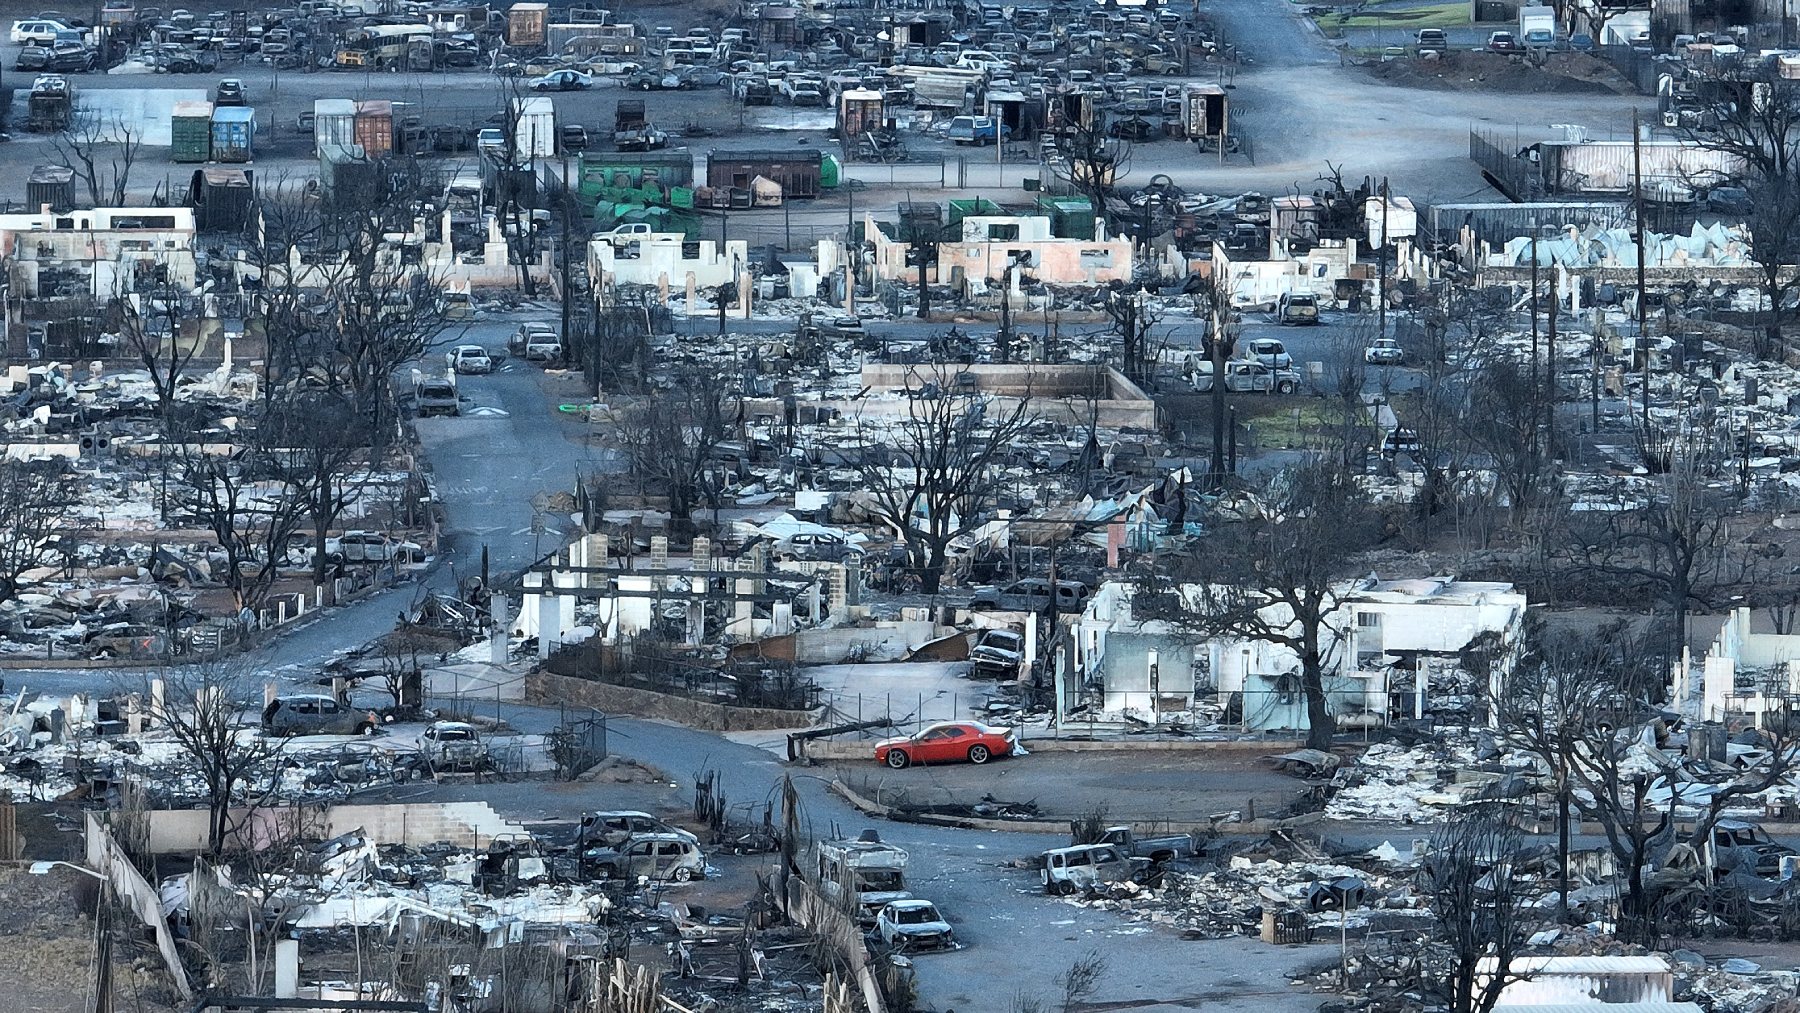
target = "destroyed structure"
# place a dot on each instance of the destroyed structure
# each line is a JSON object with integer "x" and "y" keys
{"x": 924, "y": 475}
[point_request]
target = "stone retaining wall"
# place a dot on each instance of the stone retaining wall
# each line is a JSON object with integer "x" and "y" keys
{"x": 544, "y": 688}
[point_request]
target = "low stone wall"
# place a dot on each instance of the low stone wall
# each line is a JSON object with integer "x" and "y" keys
{"x": 544, "y": 688}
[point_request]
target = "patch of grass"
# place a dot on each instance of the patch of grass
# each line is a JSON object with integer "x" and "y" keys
{"x": 1284, "y": 422}
{"x": 1406, "y": 19}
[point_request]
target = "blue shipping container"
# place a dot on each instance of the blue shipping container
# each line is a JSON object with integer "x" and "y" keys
{"x": 232, "y": 128}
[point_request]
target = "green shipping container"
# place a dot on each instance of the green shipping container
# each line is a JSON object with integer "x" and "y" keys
{"x": 190, "y": 132}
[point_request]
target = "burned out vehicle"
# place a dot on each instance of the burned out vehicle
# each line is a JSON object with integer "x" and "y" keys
{"x": 452, "y": 745}
{"x": 1156, "y": 849}
{"x": 315, "y": 715}
{"x": 1243, "y": 377}
{"x": 996, "y": 655}
{"x": 866, "y": 873}
{"x": 1746, "y": 847}
{"x": 909, "y": 926}
{"x": 1085, "y": 866}
{"x": 128, "y": 640}
{"x": 436, "y": 396}
{"x": 1031, "y": 594}
{"x": 617, "y": 827}
{"x": 647, "y": 856}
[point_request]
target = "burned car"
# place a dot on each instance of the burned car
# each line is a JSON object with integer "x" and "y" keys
{"x": 452, "y": 745}
{"x": 613, "y": 828}
{"x": 1084, "y": 866}
{"x": 647, "y": 856}
{"x": 913, "y": 925}
{"x": 315, "y": 715}
{"x": 996, "y": 655}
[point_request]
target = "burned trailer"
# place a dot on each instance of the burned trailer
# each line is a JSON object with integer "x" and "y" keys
{"x": 865, "y": 874}
{"x": 1206, "y": 115}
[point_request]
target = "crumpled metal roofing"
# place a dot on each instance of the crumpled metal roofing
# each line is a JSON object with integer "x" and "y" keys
{"x": 1704, "y": 245}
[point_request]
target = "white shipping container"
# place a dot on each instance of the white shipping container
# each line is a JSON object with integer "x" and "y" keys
{"x": 334, "y": 123}
{"x": 535, "y": 132}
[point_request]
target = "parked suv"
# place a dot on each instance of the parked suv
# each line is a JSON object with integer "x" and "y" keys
{"x": 613, "y": 828}
{"x": 651, "y": 856}
{"x": 37, "y": 30}
{"x": 315, "y": 715}
{"x": 1033, "y": 594}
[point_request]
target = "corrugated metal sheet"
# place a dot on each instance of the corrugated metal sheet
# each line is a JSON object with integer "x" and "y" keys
{"x": 1499, "y": 222}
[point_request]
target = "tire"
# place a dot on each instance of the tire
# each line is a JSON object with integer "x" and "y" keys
{"x": 1062, "y": 889}
{"x": 1285, "y": 387}
{"x": 365, "y": 729}
{"x": 608, "y": 872}
{"x": 683, "y": 875}
{"x": 898, "y": 760}
{"x": 978, "y": 753}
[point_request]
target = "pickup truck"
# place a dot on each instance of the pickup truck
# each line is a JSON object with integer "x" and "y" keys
{"x": 997, "y": 655}
{"x": 1156, "y": 849}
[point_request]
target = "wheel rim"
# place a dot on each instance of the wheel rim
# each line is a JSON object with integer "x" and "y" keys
{"x": 978, "y": 754}
{"x": 896, "y": 759}
{"x": 683, "y": 875}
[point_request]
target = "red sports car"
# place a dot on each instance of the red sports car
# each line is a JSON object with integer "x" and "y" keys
{"x": 947, "y": 742}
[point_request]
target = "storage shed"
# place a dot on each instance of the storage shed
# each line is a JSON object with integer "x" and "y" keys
{"x": 796, "y": 171}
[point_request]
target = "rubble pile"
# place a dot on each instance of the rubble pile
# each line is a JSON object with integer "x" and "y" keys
{"x": 1394, "y": 783}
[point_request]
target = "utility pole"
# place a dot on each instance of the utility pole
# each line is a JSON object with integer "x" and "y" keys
{"x": 1637, "y": 201}
{"x": 1550, "y": 366}
{"x": 1381, "y": 267}
{"x": 568, "y": 296}
{"x": 1220, "y": 313}
{"x": 1531, "y": 307}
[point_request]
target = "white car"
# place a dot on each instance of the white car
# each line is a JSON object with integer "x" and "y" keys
{"x": 1384, "y": 352}
{"x": 491, "y": 141}
{"x": 38, "y": 30}
{"x": 469, "y": 359}
{"x": 909, "y": 925}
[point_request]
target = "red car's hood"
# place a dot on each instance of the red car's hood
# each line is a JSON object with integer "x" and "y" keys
{"x": 895, "y": 741}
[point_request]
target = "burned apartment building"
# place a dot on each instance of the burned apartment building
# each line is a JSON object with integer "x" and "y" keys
{"x": 66, "y": 271}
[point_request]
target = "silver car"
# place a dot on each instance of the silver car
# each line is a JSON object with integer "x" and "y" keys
{"x": 911, "y": 925}
{"x": 648, "y": 856}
